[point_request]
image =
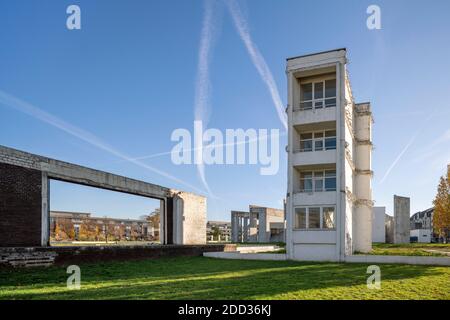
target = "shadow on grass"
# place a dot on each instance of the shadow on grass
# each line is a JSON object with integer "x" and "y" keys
{"x": 195, "y": 278}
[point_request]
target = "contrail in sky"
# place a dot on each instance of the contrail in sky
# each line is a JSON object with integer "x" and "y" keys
{"x": 203, "y": 85}
{"x": 400, "y": 155}
{"x": 257, "y": 59}
{"x": 398, "y": 158}
{"x": 37, "y": 113}
{"x": 214, "y": 145}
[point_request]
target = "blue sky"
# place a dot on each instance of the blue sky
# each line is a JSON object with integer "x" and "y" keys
{"x": 129, "y": 78}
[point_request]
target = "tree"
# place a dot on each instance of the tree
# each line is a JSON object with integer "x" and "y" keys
{"x": 56, "y": 232}
{"x": 216, "y": 232}
{"x": 441, "y": 215}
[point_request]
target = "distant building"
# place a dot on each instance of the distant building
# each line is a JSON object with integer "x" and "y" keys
{"x": 219, "y": 231}
{"x": 82, "y": 226}
{"x": 422, "y": 226}
{"x": 421, "y": 235}
{"x": 259, "y": 224}
{"x": 422, "y": 219}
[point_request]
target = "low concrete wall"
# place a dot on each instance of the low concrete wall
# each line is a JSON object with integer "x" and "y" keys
{"x": 245, "y": 256}
{"x": 439, "y": 261}
{"x": 45, "y": 256}
{"x": 255, "y": 249}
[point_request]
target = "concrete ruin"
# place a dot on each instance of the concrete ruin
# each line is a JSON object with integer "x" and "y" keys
{"x": 259, "y": 224}
{"x": 389, "y": 227}
{"x": 239, "y": 226}
{"x": 25, "y": 199}
{"x": 379, "y": 224}
{"x": 401, "y": 219}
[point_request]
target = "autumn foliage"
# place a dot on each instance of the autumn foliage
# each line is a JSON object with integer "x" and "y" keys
{"x": 441, "y": 215}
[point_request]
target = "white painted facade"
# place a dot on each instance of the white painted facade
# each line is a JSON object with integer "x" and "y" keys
{"x": 423, "y": 235}
{"x": 329, "y": 196}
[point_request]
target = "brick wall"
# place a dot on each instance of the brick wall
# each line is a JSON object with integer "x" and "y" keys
{"x": 20, "y": 206}
{"x": 45, "y": 256}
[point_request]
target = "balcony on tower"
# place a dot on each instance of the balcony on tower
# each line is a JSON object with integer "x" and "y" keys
{"x": 315, "y": 95}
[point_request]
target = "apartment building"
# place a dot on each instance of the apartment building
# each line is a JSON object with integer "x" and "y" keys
{"x": 81, "y": 226}
{"x": 219, "y": 231}
{"x": 329, "y": 193}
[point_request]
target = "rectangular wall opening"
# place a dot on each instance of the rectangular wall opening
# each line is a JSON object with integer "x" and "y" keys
{"x": 89, "y": 216}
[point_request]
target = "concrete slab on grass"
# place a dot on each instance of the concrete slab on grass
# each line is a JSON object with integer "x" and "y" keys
{"x": 246, "y": 256}
{"x": 418, "y": 260}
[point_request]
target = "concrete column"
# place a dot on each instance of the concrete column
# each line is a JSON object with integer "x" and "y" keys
{"x": 245, "y": 229}
{"x": 234, "y": 227}
{"x": 291, "y": 81}
{"x": 362, "y": 223}
{"x": 401, "y": 219}
{"x": 263, "y": 227}
{"x": 162, "y": 221}
{"x": 340, "y": 163}
{"x": 45, "y": 219}
{"x": 178, "y": 220}
{"x": 253, "y": 230}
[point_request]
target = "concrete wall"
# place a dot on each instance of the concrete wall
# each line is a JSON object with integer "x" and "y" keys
{"x": 379, "y": 224}
{"x": 255, "y": 225}
{"x": 190, "y": 218}
{"x": 24, "y": 199}
{"x": 266, "y": 216}
{"x": 401, "y": 219}
{"x": 69, "y": 172}
{"x": 389, "y": 228}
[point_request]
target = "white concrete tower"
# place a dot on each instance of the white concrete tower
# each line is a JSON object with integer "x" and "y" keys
{"x": 329, "y": 196}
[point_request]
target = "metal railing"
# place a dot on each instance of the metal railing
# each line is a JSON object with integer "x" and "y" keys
{"x": 298, "y": 190}
{"x": 316, "y": 104}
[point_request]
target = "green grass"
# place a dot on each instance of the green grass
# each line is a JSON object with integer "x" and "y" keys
{"x": 411, "y": 249}
{"x": 207, "y": 278}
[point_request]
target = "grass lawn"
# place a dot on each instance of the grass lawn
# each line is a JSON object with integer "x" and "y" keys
{"x": 207, "y": 278}
{"x": 412, "y": 249}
